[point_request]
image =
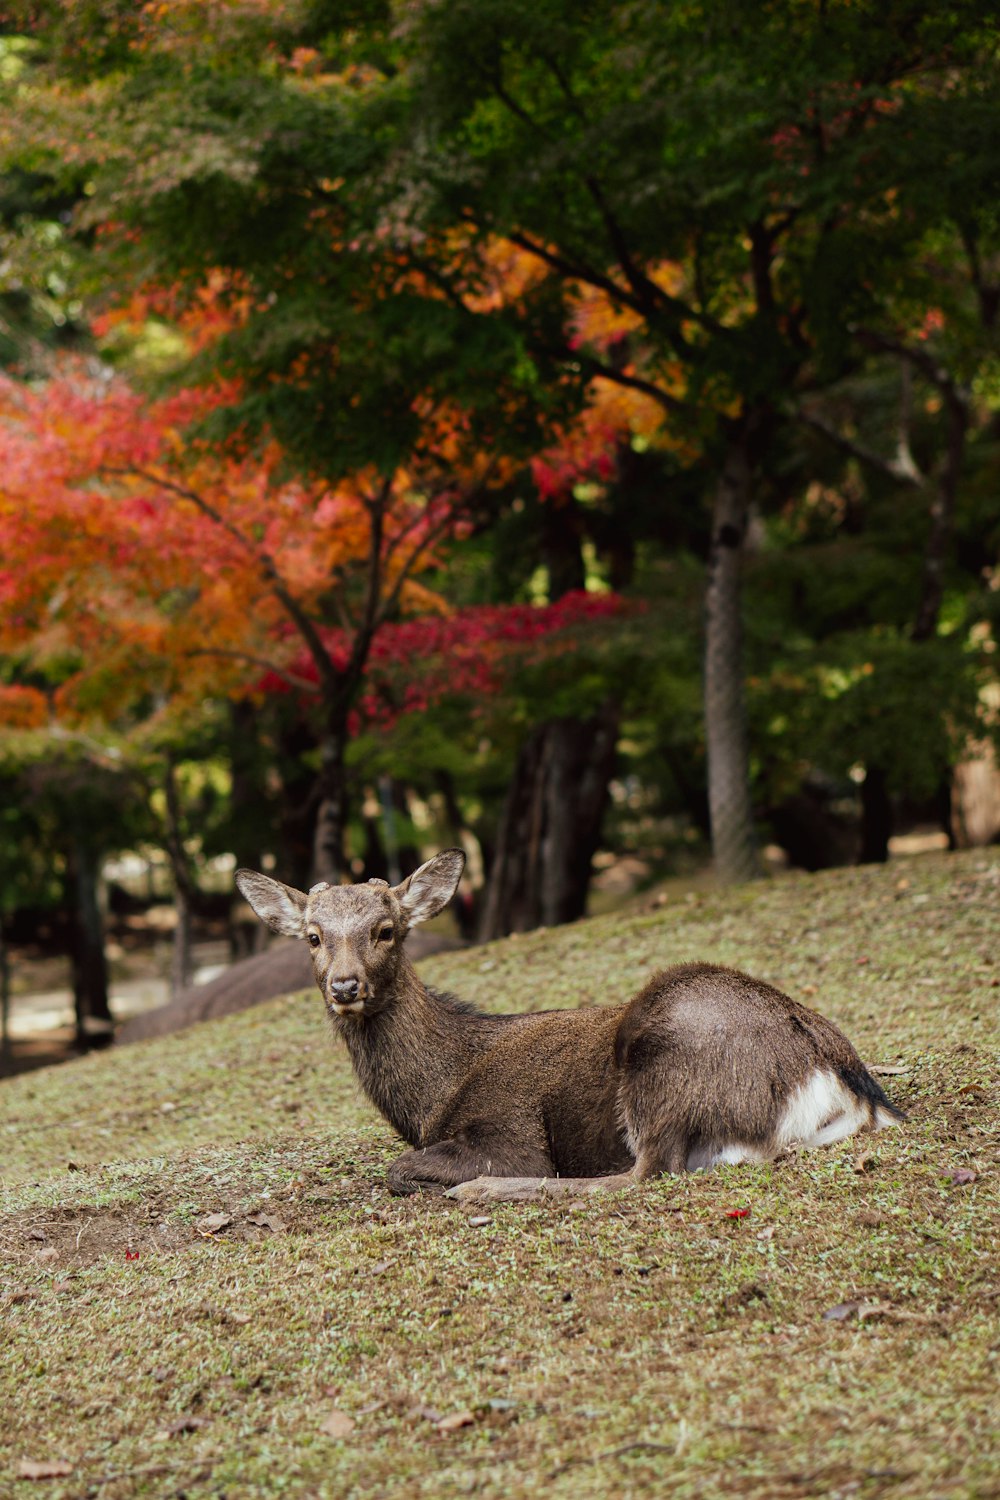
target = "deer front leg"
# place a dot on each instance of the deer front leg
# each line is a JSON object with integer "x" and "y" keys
{"x": 434, "y": 1169}
{"x": 535, "y": 1189}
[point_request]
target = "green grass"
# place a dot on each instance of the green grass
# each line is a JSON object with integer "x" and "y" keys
{"x": 643, "y": 1344}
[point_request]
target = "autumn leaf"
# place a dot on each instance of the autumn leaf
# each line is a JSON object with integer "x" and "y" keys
{"x": 338, "y": 1424}
{"x": 213, "y": 1223}
{"x": 457, "y": 1419}
{"x": 53, "y": 1468}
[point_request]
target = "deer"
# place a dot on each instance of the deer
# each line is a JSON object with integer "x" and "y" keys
{"x": 704, "y": 1066}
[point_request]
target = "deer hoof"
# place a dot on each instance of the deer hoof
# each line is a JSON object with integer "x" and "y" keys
{"x": 498, "y": 1190}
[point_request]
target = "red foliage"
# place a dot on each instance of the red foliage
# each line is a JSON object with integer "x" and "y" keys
{"x": 417, "y": 663}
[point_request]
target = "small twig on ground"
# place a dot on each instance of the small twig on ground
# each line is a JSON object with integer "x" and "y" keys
{"x": 642, "y": 1446}
{"x": 190, "y": 1463}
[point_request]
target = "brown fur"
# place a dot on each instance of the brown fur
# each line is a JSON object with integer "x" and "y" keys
{"x": 701, "y": 1057}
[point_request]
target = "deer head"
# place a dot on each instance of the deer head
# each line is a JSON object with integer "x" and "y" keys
{"x": 355, "y": 932}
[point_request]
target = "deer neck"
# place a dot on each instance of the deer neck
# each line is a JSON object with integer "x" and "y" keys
{"x": 413, "y": 1055}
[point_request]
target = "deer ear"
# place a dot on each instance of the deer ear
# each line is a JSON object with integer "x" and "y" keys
{"x": 430, "y": 888}
{"x": 280, "y": 906}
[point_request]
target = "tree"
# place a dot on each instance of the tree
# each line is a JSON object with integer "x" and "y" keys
{"x": 185, "y": 570}
{"x": 742, "y": 192}
{"x": 741, "y": 150}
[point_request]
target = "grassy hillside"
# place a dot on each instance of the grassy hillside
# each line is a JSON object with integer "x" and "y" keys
{"x": 840, "y": 1338}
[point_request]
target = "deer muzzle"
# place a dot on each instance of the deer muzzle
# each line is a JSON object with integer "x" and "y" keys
{"x": 346, "y": 996}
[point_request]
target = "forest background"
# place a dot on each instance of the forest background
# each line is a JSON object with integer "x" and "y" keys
{"x": 544, "y": 428}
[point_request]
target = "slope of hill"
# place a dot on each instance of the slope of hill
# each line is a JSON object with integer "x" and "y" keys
{"x": 206, "y": 1290}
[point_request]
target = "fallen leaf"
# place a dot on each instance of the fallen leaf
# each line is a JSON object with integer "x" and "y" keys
{"x": 887, "y": 1071}
{"x": 212, "y": 1223}
{"x": 864, "y": 1161}
{"x": 167, "y": 1107}
{"x": 842, "y": 1311}
{"x": 478, "y": 1221}
{"x": 338, "y": 1424}
{"x": 62, "y": 1286}
{"x": 859, "y": 1310}
{"x": 178, "y": 1428}
{"x": 53, "y": 1468}
{"x": 961, "y": 1177}
{"x": 267, "y": 1221}
{"x": 428, "y": 1413}
{"x": 457, "y": 1419}
{"x": 37, "y": 1234}
{"x": 49, "y": 1253}
{"x": 736, "y": 1213}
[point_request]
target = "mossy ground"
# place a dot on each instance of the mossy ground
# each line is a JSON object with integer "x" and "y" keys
{"x": 641, "y": 1344}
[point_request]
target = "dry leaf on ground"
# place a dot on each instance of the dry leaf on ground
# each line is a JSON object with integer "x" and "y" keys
{"x": 182, "y": 1425}
{"x": 52, "y": 1468}
{"x": 457, "y": 1419}
{"x": 267, "y": 1221}
{"x": 338, "y": 1424}
{"x": 212, "y": 1223}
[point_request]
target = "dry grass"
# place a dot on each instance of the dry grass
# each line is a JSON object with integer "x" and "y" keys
{"x": 647, "y": 1344}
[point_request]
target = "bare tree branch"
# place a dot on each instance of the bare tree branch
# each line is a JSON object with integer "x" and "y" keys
{"x": 601, "y": 371}
{"x": 902, "y": 473}
{"x": 306, "y": 627}
{"x": 300, "y": 684}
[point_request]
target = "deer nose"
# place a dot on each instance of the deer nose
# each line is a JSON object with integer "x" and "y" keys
{"x": 344, "y": 989}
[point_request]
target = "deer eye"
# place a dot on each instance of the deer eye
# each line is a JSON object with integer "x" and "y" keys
{"x": 384, "y": 934}
{"x": 314, "y": 940}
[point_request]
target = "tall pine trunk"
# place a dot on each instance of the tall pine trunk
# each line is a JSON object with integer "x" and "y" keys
{"x": 876, "y": 802}
{"x": 730, "y": 808}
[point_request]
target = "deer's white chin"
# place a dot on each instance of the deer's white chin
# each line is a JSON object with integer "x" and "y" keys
{"x": 355, "y": 1008}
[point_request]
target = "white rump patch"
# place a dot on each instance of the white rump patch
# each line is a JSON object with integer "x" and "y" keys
{"x": 820, "y": 1112}
{"x": 704, "y": 1158}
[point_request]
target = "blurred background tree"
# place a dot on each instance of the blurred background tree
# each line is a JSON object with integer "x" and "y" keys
{"x": 352, "y": 350}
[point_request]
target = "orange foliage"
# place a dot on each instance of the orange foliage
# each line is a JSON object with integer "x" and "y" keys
{"x": 145, "y": 563}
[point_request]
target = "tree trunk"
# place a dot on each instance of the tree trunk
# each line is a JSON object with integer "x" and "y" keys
{"x": 329, "y": 838}
{"x": 245, "y": 799}
{"x": 730, "y": 808}
{"x": 185, "y": 889}
{"x": 550, "y": 826}
{"x": 90, "y": 970}
{"x": 942, "y": 520}
{"x": 181, "y": 965}
{"x": 876, "y": 816}
{"x": 561, "y": 547}
{"x": 936, "y": 558}
{"x": 4, "y": 1006}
